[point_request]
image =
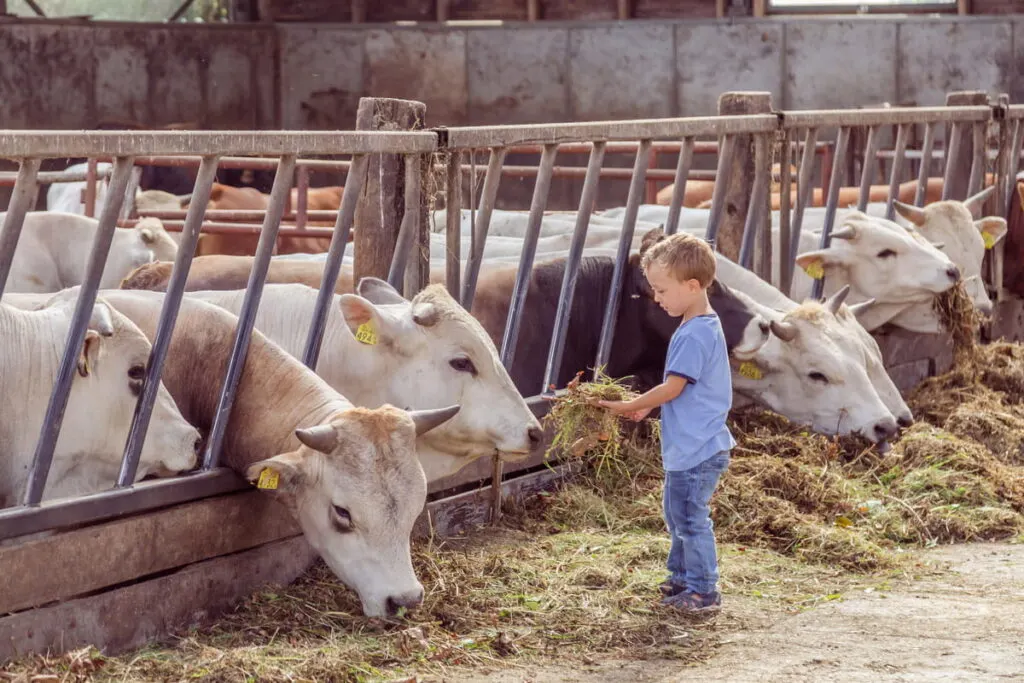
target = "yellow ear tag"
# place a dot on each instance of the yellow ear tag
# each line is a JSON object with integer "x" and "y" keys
{"x": 990, "y": 240}
{"x": 750, "y": 370}
{"x": 815, "y": 270}
{"x": 268, "y": 479}
{"x": 366, "y": 334}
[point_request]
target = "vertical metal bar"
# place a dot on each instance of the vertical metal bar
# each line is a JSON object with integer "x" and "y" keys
{"x": 827, "y": 159}
{"x": 168, "y": 316}
{"x": 803, "y": 194}
{"x": 482, "y": 223}
{"x": 897, "y": 170}
{"x": 651, "y": 186}
{"x": 952, "y": 159}
{"x": 453, "y": 229}
{"x": 833, "y": 200}
{"x": 76, "y": 332}
{"x": 572, "y": 263}
{"x": 785, "y": 201}
{"x": 302, "y": 196}
{"x": 725, "y": 154}
{"x": 679, "y": 188}
{"x": 409, "y": 229}
{"x": 250, "y": 304}
{"x": 636, "y": 186}
{"x": 90, "y": 188}
{"x": 335, "y": 255}
{"x": 867, "y": 171}
{"x": 1014, "y": 163}
{"x": 128, "y": 205}
{"x": 758, "y": 199}
{"x": 977, "y": 177}
{"x": 925, "y": 171}
{"x": 23, "y": 198}
{"x": 522, "y": 286}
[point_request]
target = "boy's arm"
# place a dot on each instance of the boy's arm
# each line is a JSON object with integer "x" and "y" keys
{"x": 663, "y": 393}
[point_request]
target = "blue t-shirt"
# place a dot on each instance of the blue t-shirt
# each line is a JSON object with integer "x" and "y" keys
{"x": 693, "y": 424}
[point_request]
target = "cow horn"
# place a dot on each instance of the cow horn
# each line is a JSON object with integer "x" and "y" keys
{"x": 836, "y": 300}
{"x": 912, "y": 213}
{"x": 425, "y": 315}
{"x": 974, "y": 202}
{"x": 321, "y": 438}
{"x": 783, "y": 330}
{"x": 184, "y": 198}
{"x": 426, "y": 420}
{"x": 858, "y": 309}
{"x": 847, "y": 232}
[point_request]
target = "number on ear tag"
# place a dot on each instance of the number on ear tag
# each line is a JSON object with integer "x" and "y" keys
{"x": 268, "y": 479}
{"x": 366, "y": 334}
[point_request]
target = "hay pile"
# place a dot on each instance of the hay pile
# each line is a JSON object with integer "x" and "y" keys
{"x": 957, "y": 475}
{"x": 960, "y": 318}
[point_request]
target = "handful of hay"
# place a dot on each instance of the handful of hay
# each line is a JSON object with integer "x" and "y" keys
{"x": 959, "y": 316}
{"x": 581, "y": 426}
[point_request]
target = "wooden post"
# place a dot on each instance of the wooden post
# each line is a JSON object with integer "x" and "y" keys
{"x": 442, "y": 11}
{"x": 532, "y": 10}
{"x": 358, "y": 11}
{"x": 382, "y": 202}
{"x": 625, "y": 11}
{"x": 962, "y": 172}
{"x": 740, "y": 182}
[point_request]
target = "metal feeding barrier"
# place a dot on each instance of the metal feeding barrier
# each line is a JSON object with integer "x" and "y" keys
{"x": 738, "y": 223}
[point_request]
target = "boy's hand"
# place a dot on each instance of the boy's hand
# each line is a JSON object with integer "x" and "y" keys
{"x": 617, "y": 407}
{"x": 638, "y": 415}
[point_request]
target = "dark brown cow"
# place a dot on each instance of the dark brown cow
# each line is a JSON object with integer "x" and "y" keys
{"x": 1014, "y": 273}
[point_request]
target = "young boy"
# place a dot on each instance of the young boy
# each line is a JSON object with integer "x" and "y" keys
{"x": 695, "y": 396}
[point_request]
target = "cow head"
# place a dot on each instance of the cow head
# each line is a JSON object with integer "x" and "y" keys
{"x": 430, "y": 353}
{"x": 108, "y": 381}
{"x": 356, "y": 488}
{"x": 813, "y": 371}
{"x": 881, "y": 261}
{"x": 963, "y": 239}
{"x": 151, "y": 233}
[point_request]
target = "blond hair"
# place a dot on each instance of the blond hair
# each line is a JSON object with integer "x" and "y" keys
{"x": 684, "y": 256}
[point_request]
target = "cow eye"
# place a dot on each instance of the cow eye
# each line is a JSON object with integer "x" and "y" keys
{"x": 463, "y": 364}
{"x": 342, "y": 519}
{"x": 886, "y": 253}
{"x": 137, "y": 373}
{"x": 818, "y": 377}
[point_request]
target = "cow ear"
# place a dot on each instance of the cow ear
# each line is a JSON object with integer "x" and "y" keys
{"x": 814, "y": 262}
{"x": 379, "y": 291}
{"x": 992, "y": 229}
{"x": 90, "y": 353}
{"x": 364, "y": 319}
{"x": 280, "y": 474}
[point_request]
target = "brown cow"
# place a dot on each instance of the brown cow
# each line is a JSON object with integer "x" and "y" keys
{"x": 247, "y": 198}
{"x": 349, "y": 475}
{"x": 223, "y": 271}
{"x": 698, "y": 192}
{"x": 1013, "y": 275}
{"x": 849, "y": 196}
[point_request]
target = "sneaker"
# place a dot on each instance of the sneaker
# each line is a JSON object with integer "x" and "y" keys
{"x": 695, "y": 603}
{"x": 668, "y": 588}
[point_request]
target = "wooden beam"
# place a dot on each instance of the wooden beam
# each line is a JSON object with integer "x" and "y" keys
{"x": 52, "y": 568}
{"x": 720, "y": 8}
{"x": 625, "y": 10}
{"x": 131, "y": 616}
{"x": 443, "y": 10}
{"x": 963, "y": 7}
{"x": 532, "y": 10}
{"x": 358, "y": 11}
{"x": 760, "y": 8}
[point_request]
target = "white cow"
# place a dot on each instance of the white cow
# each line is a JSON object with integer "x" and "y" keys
{"x": 108, "y": 380}
{"x": 54, "y": 249}
{"x": 818, "y": 368}
{"x": 876, "y": 257}
{"x": 67, "y": 197}
{"x": 426, "y": 353}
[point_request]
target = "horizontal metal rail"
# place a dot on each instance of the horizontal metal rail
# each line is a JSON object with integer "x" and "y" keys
{"x": 882, "y": 117}
{"x": 7, "y": 178}
{"x": 64, "y": 143}
{"x": 241, "y": 215}
{"x": 215, "y": 228}
{"x": 245, "y": 163}
{"x": 504, "y": 136}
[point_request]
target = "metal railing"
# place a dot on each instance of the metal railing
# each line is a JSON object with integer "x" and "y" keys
{"x": 763, "y": 139}
{"x": 28, "y": 148}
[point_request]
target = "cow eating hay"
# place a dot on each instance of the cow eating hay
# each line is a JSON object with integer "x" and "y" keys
{"x": 959, "y": 316}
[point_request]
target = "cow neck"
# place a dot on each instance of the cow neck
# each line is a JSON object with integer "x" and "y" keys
{"x": 350, "y": 366}
{"x": 589, "y": 300}
{"x": 70, "y": 259}
{"x": 276, "y": 396}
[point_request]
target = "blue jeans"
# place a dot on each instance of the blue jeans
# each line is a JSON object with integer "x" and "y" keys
{"x": 692, "y": 561}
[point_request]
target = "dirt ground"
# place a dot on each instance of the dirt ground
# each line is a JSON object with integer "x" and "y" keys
{"x": 964, "y": 624}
